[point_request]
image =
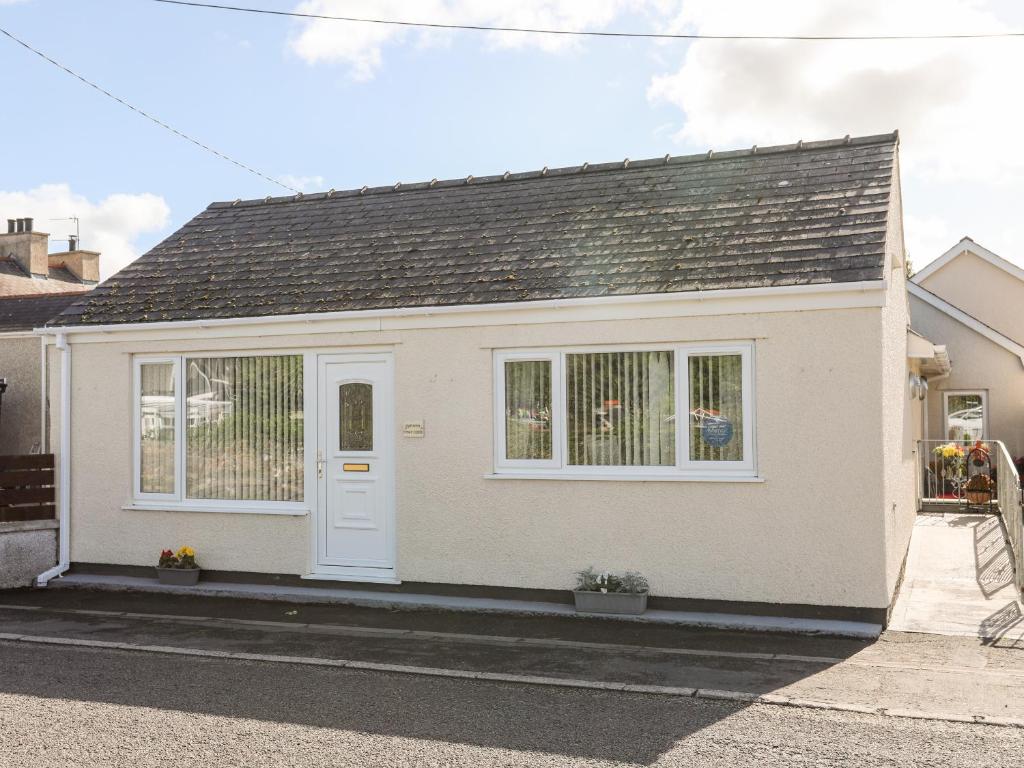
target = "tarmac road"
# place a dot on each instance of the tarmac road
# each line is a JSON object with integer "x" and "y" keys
{"x": 70, "y": 706}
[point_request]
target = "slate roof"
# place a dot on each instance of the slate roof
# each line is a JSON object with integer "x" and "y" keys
{"x": 23, "y": 313}
{"x": 800, "y": 214}
{"x": 14, "y": 281}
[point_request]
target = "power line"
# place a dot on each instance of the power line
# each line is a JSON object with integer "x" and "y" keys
{"x": 589, "y": 33}
{"x": 145, "y": 114}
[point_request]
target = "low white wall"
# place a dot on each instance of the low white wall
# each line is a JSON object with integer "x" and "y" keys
{"x": 810, "y": 533}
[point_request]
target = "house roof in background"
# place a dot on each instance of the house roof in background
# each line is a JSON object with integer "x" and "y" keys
{"x": 804, "y": 214}
{"x": 15, "y": 282}
{"x": 967, "y": 245}
{"x": 970, "y": 321}
{"x": 23, "y": 313}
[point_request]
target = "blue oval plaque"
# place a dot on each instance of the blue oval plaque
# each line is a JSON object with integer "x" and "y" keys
{"x": 716, "y": 431}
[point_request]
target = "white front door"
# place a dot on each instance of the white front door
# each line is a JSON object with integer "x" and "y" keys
{"x": 355, "y": 466}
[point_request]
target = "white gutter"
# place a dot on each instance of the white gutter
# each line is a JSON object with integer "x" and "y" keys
{"x": 645, "y": 298}
{"x": 64, "y": 467}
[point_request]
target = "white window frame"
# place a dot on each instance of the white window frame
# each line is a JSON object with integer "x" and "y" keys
{"x": 138, "y": 362}
{"x": 683, "y": 469}
{"x": 179, "y": 499}
{"x": 557, "y": 438}
{"x": 982, "y": 393}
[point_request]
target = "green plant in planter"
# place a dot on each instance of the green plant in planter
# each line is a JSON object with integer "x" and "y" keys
{"x": 630, "y": 582}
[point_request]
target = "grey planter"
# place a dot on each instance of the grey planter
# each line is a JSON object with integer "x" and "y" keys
{"x": 621, "y": 603}
{"x": 178, "y": 577}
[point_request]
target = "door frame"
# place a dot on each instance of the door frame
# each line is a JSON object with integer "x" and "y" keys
{"x": 315, "y": 442}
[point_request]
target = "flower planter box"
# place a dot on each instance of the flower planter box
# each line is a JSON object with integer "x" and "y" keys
{"x": 178, "y": 577}
{"x": 621, "y": 603}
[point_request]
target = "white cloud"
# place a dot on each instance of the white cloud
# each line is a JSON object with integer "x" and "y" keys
{"x": 952, "y": 101}
{"x": 302, "y": 183}
{"x": 927, "y": 237}
{"x": 110, "y": 226}
{"x": 956, "y": 103}
{"x": 361, "y": 47}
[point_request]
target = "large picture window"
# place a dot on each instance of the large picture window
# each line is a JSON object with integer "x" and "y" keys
{"x": 220, "y": 429}
{"x": 618, "y": 411}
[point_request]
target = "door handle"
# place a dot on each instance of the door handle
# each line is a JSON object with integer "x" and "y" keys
{"x": 319, "y": 464}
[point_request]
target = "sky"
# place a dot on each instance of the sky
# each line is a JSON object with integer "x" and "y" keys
{"x": 322, "y": 104}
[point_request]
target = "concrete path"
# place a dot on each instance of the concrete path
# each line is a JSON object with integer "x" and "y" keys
{"x": 451, "y": 603}
{"x": 959, "y": 581}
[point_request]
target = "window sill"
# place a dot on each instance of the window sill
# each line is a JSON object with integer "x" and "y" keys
{"x": 239, "y": 509}
{"x": 695, "y": 478}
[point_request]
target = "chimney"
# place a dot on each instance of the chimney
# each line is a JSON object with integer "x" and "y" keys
{"x": 85, "y": 265}
{"x": 27, "y": 248}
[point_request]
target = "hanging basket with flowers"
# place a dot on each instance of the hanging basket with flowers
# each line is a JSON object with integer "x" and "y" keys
{"x": 978, "y": 489}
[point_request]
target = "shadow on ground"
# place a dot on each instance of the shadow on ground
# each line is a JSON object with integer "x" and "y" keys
{"x": 572, "y": 722}
{"x": 622, "y": 727}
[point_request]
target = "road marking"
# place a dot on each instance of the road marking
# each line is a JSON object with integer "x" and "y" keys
{"x": 744, "y": 697}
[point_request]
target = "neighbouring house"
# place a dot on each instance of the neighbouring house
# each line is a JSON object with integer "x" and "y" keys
{"x": 35, "y": 285}
{"x": 697, "y": 367}
{"x": 971, "y": 299}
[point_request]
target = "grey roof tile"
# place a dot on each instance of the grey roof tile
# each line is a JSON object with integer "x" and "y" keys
{"x": 773, "y": 217}
{"x": 23, "y": 313}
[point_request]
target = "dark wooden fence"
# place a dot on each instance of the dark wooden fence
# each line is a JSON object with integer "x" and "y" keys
{"x": 26, "y": 488}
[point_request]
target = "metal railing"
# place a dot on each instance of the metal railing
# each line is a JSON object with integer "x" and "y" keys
{"x": 945, "y": 470}
{"x": 1011, "y": 506}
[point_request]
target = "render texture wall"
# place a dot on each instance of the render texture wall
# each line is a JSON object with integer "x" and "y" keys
{"x": 978, "y": 364}
{"x": 982, "y": 290}
{"x": 19, "y": 417}
{"x": 900, "y": 413}
{"x": 811, "y": 532}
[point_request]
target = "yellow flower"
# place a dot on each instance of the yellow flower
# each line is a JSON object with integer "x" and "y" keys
{"x": 186, "y": 552}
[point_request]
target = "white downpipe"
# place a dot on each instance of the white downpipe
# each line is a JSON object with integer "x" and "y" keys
{"x": 64, "y": 464}
{"x": 42, "y": 395}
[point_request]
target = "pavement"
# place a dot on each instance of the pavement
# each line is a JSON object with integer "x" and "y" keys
{"x": 327, "y": 593}
{"x": 959, "y": 581}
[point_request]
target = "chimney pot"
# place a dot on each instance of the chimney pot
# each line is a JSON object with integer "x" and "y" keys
{"x": 28, "y": 224}
{"x": 72, "y": 243}
{"x": 21, "y": 225}
{"x": 11, "y": 224}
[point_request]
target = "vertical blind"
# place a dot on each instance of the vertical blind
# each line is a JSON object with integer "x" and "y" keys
{"x": 156, "y": 428}
{"x": 244, "y": 428}
{"x": 620, "y": 409}
{"x": 528, "y": 409}
{"x": 716, "y": 407}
